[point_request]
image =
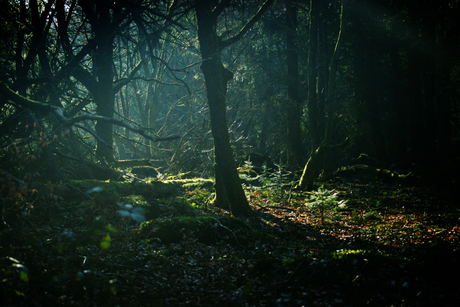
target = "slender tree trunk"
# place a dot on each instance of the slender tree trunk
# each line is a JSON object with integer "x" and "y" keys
{"x": 366, "y": 72}
{"x": 416, "y": 125}
{"x": 444, "y": 92}
{"x": 322, "y": 65}
{"x": 216, "y": 78}
{"x": 105, "y": 100}
{"x": 100, "y": 19}
{"x": 329, "y": 68}
{"x": 313, "y": 112}
{"x": 295, "y": 106}
{"x": 152, "y": 102}
{"x": 429, "y": 109}
{"x": 105, "y": 107}
{"x": 443, "y": 112}
{"x": 399, "y": 129}
{"x": 372, "y": 103}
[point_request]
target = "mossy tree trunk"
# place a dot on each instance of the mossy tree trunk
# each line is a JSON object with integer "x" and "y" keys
{"x": 311, "y": 170}
{"x": 314, "y": 163}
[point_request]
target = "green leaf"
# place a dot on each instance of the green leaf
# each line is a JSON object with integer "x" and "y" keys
{"x": 105, "y": 242}
{"x": 112, "y": 229}
{"x": 24, "y": 276}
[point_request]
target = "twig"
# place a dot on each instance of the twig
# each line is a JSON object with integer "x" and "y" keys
{"x": 223, "y": 226}
{"x": 290, "y": 274}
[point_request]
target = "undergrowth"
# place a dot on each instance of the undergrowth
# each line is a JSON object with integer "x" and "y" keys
{"x": 154, "y": 243}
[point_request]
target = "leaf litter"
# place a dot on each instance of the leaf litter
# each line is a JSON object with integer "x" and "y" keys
{"x": 389, "y": 246}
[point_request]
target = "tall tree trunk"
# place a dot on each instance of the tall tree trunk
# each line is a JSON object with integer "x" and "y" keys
{"x": 216, "y": 78}
{"x": 372, "y": 102}
{"x": 443, "y": 105}
{"x": 446, "y": 48}
{"x": 104, "y": 98}
{"x": 294, "y": 108}
{"x": 326, "y": 79}
{"x": 99, "y": 16}
{"x": 399, "y": 105}
{"x": 416, "y": 120}
{"x": 366, "y": 72}
{"x": 313, "y": 112}
{"x": 322, "y": 64}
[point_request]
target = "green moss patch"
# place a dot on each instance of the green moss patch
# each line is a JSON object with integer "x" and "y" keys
{"x": 193, "y": 183}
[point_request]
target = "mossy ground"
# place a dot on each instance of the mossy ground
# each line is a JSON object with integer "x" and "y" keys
{"x": 391, "y": 246}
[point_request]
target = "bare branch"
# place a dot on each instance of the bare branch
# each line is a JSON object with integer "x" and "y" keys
{"x": 188, "y": 66}
{"x": 114, "y": 121}
{"x": 93, "y": 133}
{"x": 45, "y": 109}
{"x": 172, "y": 73}
{"x": 248, "y": 26}
{"x": 156, "y": 80}
{"x": 123, "y": 81}
{"x": 220, "y": 7}
{"x": 23, "y": 101}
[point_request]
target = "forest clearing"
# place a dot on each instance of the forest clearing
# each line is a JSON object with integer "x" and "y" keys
{"x": 229, "y": 153}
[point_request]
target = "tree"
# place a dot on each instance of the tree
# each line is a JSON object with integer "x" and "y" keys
{"x": 295, "y": 105}
{"x": 314, "y": 116}
{"x": 326, "y": 81}
{"x": 107, "y": 20}
{"x": 103, "y": 24}
{"x": 367, "y": 79}
{"x": 229, "y": 192}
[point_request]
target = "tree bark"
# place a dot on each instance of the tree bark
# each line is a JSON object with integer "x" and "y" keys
{"x": 216, "y": 78}
{"x": 104, "y": 98}
{"x": 400, "y": 107}
{"x": 327, "y": 82}
{"x": 294, "y": 109}
{"x": 313, "y": 112}
{"x": 311, "y": 170}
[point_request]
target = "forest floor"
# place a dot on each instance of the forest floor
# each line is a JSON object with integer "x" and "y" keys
{"x": 350, "y": 244}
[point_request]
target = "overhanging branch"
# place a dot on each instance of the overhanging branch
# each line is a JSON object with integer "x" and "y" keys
{"x": 24, "y": 102}
{"x": 46, "y": 109}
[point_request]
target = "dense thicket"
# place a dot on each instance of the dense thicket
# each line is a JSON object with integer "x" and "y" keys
{"x": 383, "y": 74}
